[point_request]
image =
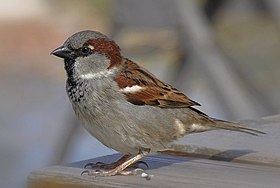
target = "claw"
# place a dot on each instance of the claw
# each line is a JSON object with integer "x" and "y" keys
{"x": 85, "y": 171}
{"x": 89, "y": 165}
{"x": 138, "y": 163}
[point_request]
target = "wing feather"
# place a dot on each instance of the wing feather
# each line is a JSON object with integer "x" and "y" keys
{"x": 154, "y": 92}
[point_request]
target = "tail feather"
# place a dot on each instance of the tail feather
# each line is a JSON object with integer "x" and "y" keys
{"x": 221, "y": 124}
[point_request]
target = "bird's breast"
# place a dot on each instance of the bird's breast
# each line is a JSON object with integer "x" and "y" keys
{"x": 76, "y": 90}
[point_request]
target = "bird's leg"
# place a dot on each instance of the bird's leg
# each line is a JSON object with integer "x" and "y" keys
{"x": 108, "y": 165}
{"x": 121, "y": 168}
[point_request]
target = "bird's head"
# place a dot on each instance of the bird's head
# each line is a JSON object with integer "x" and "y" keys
{"x": 89, "y": 53}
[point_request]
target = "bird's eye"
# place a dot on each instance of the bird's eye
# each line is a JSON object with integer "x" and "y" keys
{"x": 85, "y": 50}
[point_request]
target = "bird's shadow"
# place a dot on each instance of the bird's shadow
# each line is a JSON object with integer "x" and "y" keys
{"x": 162, "y": 160}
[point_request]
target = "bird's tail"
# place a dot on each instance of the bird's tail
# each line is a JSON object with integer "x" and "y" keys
{"x": 221, "y": 124}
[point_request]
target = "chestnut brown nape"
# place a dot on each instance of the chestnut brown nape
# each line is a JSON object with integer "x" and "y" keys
{"x": 107, "y": 47}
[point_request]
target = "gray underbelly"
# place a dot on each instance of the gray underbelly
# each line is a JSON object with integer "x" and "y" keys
{"x": 128, "y": 128}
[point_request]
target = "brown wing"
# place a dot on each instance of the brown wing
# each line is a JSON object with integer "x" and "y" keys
{"x": 153, "y": 91}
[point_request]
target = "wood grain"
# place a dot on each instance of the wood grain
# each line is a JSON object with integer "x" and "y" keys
{"x": 167, "y": 171}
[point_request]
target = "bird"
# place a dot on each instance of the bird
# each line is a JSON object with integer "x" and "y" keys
{"x": 125, "y": 106}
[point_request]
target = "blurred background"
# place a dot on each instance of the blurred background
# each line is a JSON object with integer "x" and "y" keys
{"x": 223, "y": 54}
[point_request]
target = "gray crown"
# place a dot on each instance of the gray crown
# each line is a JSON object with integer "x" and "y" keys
{"x": 78, "y": 39}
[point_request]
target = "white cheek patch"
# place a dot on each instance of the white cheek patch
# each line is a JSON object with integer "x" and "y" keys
{"x": 180, "y": 127}
{"x": 97, "y": 75}
{"x": 132, "y": 89}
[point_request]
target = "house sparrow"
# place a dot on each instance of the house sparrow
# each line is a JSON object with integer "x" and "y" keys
{"x": 125, "y": 106}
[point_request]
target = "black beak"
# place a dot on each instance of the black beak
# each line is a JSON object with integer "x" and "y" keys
{"x": 63, "y": 52}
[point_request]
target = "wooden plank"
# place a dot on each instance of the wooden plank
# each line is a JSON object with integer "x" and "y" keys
{"x": 167, "y": 171}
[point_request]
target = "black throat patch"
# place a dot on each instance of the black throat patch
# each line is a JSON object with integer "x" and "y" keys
{"x": 70, "y": 70}
{"x": 75, "y": 87}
